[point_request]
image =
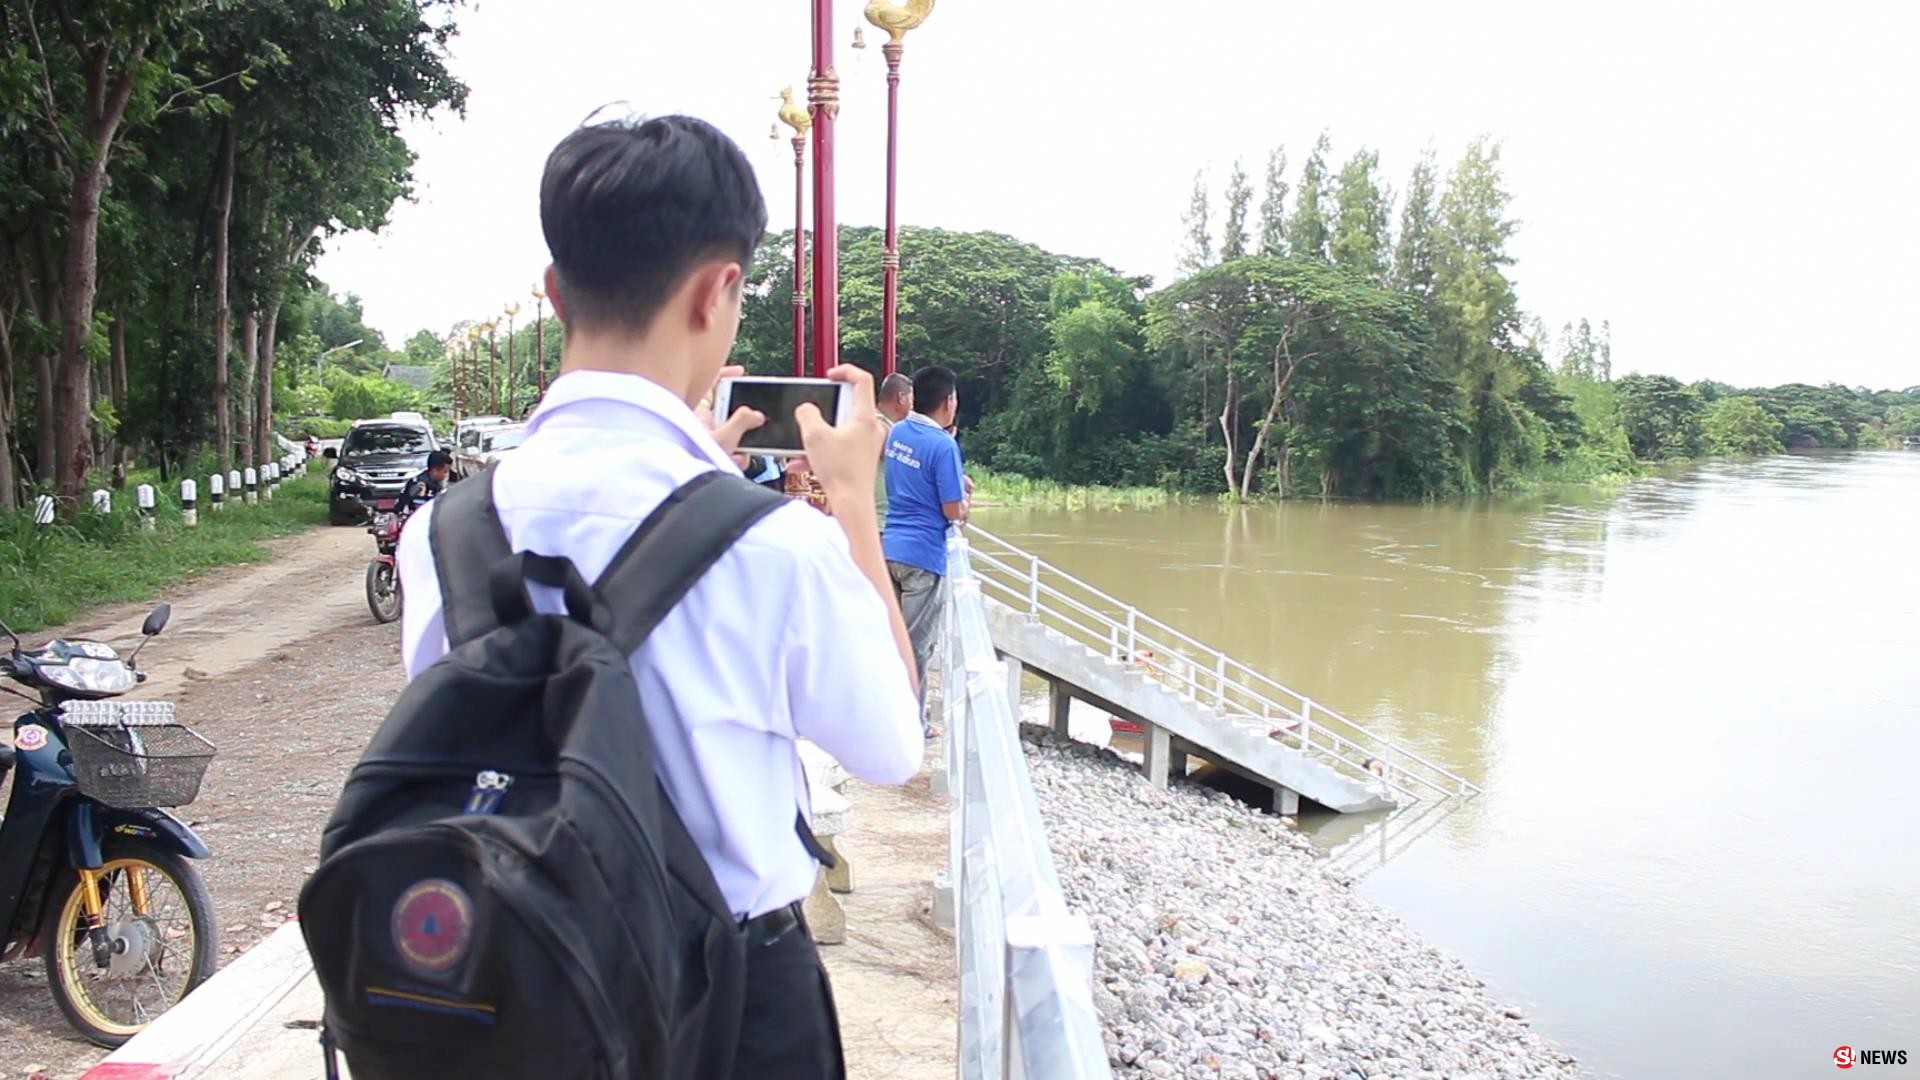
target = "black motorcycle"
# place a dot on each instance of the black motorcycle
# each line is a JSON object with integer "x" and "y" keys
{"x": 94, "y": 878}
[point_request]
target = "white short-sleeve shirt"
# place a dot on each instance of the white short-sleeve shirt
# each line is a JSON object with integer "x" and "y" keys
{"x": 783, "y": 639}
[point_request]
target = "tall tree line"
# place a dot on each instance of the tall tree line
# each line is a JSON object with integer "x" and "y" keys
{"x": 1323, "y": 337}
{"x": 170, "y": 167}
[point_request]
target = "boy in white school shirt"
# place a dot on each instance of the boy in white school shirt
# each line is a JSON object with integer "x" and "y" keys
{"x": 795, "y": 631}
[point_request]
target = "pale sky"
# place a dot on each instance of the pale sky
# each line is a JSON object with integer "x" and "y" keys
{"x": 1731, "y": 184}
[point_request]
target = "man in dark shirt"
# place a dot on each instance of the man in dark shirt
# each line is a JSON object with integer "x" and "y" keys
{"x": 425, "y": 484}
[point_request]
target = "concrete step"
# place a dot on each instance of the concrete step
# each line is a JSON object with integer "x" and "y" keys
{"x": 257, "y": 1018}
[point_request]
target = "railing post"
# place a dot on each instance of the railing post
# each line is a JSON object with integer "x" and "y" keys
{"x": 1220, "y": 681}
{"x": 1306, "y": 723}
{"x": 1033, "y": 584}
{"x": 1133, "y": 634}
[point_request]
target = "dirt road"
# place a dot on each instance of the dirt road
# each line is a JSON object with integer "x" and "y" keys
{"x": 282, "y": 667}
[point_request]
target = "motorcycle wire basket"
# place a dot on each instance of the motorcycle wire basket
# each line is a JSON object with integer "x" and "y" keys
{"x": 133, "y": 754}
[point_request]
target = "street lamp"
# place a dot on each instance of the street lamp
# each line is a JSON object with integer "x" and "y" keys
{"x": 799, "y": 119}
{"x": 330, "y": 352}
{"x": 450, "y": 351}
{"x": 512, "y": 310}
{"x": 493, "y": 366}
{"x": 896, "y": 19}
{"x": 540, "y": 341}
{"x": 473, "y": 366}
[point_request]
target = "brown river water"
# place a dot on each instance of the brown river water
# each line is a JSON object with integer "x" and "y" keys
{"x": 1693, "y": 704}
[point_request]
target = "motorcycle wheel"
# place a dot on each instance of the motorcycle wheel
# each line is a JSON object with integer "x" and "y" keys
{"x": 383, "y": 592}
{"x": 158, "y": 956}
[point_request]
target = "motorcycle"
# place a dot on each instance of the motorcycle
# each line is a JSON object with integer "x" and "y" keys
{"x": 313, "y": 448}
{"x": 383, "y": 577}
{"x": 94, "y": 875}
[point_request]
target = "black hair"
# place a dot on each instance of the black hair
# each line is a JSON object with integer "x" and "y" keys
{"x": 439, "y": 459}
{"x": 932, "y": 386}
{"x": 630, "y": 206}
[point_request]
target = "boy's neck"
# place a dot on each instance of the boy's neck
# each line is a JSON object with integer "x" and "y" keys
{"x": 651, "y": 359}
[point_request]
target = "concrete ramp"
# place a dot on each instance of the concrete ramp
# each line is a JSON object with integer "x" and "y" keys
{"x": 1176, "y": 724}
{"x": 1188, "y": 697}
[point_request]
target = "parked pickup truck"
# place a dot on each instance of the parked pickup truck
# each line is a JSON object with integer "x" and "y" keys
{"x": 487, "y": 445}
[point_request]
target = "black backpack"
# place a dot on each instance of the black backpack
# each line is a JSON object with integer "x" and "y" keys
{"x": 505, "y": 889}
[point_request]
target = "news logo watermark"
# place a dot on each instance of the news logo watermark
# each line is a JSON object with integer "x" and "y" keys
{"x": 1846, "y": 1057}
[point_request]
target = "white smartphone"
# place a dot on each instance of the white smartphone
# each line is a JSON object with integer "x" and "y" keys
{"x": 777, "y": 398}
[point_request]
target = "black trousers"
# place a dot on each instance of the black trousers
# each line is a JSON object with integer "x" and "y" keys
{"x": 790, "y": 1029}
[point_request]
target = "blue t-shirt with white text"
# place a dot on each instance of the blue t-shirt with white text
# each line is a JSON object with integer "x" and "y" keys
{"x": 923, "y": 473}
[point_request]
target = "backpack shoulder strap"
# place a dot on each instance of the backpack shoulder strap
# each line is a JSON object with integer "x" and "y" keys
{"x": 671, "y": 550}
{"x": 674, "y": 547}
{"x": 468, "y": 541}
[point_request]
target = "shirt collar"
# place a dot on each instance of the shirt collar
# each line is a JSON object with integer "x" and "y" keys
{"x": 580, "y": 392}
{"x": 923, "y": 418}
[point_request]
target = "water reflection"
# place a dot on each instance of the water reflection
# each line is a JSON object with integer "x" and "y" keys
{"x": 1693, "y": 703}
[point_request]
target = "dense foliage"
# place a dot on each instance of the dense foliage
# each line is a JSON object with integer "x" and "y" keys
{"x": 1317, "y": 349}
{"x": 170, "y": 168}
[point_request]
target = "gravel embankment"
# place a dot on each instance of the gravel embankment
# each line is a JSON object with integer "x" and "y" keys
{"x": 1225, "y": 950}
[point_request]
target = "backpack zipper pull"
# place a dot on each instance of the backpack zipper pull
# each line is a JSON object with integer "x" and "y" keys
{"x": 489, "y": 789}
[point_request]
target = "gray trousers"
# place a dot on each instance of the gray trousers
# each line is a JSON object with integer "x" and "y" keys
{"x": 920, "y": 596}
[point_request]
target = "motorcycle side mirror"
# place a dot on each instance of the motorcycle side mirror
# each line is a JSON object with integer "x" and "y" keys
{"x": 330, "y": 454}
{"x": 157, "y": 621}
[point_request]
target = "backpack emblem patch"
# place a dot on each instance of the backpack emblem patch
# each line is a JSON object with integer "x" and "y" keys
{"x": 433, "y": 925}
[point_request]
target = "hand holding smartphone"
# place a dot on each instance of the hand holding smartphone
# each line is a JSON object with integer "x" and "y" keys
{"x": 777, "y": 398}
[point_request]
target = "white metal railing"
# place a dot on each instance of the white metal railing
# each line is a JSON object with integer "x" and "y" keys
{"x": 1025, "y": 960}
{"x": 1200, "y": 672}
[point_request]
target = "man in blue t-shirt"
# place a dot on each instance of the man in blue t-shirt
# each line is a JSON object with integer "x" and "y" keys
{"x": 925, "y": 492}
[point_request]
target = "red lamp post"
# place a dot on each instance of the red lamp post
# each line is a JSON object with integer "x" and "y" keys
{"x": 896, "y": 19}
{"x": 823, "y": 95}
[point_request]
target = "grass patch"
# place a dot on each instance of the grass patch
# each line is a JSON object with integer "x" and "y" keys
{"x": 51, "y": 573}
{"x": 1012, "y": 489}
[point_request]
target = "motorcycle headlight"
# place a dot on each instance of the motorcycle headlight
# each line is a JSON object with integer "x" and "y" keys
{"x": 90, "y": 676}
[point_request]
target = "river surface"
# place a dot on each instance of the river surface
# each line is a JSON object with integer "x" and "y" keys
{"x": 1694, "y": 705}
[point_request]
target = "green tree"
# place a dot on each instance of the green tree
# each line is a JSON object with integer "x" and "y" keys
{"x": 1662, "y": 416}
{"x": 1740, "y": 426}
{"x": 1579, "y": 354}
{"x": 1268, "y": 331}
{"x": 1903, "y": 421}
{"x": 425, "y": 348}
{"x": 1307, "y": 229}
{"x": 1360, "y": 230}
{"x": 1817, "y": 416}
{"x": 1273, "y": 205}
{"x": 1476, "y": 319}
{"x": 1197, "y": 221}
{"x": 1233, "y": 242}
{"x": 1413, "y": 253}
{"x": 96, "y": 65}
